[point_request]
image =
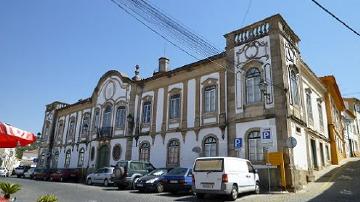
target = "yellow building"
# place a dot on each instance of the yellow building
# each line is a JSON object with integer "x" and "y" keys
{"x": 334, "y": 106}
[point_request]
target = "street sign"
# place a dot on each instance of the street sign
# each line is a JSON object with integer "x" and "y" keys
{"x": 266, "y": 137}
{"x": 291, "y": 142}
{"x": 238, "y": 143}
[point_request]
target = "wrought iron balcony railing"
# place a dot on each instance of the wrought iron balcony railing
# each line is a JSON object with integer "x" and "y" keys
{"x": 105, "y": 132}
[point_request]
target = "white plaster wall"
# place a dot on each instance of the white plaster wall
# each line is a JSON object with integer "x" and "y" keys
{"x": 243, "y": 128}
{"x": 300, "y": 152}
{"x": 191, "y": 103}
{"x": 78, "y": 125}
{"x": 66, "y": 126}
{"x": 136, "y": 111}
{"x": 121, "y": 90}
{"x": 95, "y": 144}
{"x": 160, "y": 108}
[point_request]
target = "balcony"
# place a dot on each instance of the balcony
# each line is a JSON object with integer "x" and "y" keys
{"x": 105, "y": 133}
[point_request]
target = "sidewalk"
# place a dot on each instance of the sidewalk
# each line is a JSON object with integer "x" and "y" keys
{"x": 320, "y": 173}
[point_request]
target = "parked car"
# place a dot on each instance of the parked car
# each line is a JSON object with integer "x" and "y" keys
{"x": 178, "y": 180}
{"x": 101, "y": 176}
{"x": 62, "y": 175}
{"x": 126, "y": 173}
{"x": 29, "y": 173}
{"x": 42, "y": 173}
{"x": 224, "y": 175}
{"x": 19, "y": 171}
{"x": 152, "y": 181}
{"x": 4, "y": 172}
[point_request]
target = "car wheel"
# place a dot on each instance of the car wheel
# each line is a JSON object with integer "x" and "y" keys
{"x": 106, "y": 182}
{"x": 234, "y": 193}
{"x": 159, "y": 187}
{"x": 89, "y": 182}
{"x": 133, "y": 183}
{"x": 18, "y": 176}
{"x": 257, "y": 188}
{"x": 200, "y": 196}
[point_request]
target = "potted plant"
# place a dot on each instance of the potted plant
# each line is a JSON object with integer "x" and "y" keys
{"x": 47, "y": 198}
{"x": 8, "y": 189}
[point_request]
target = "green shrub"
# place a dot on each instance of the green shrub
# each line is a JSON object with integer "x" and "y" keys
{"x": 9, "y": 188}
{"x": 47, "y": 198}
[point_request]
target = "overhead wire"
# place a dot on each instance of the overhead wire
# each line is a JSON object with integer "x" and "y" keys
{"x": 142, "y": 9}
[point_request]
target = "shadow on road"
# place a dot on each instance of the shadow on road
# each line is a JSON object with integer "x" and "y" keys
{"x": 345, "y": 184}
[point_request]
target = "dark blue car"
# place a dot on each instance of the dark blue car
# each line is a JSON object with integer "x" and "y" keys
{"x": 152, "y": 181}
{"x": 178, "y": 180}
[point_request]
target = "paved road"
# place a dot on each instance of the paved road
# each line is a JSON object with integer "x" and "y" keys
{"x": 341, "y": 184}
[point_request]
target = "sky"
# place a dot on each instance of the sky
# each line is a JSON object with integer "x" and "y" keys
{"x": 58, "y": 50}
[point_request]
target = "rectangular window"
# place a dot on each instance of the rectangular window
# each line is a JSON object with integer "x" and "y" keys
{"x": 175, "y": 105}
{"x": 309, "y": 109}
{"x": 321, "y": 118}
{"x": 210, "y": 99}
{"x": 146, "y": 112}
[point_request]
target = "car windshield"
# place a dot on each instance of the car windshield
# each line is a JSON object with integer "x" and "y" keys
{"x": 158, "y": 172}
{"x": 177, "y": 171}
{"x": 206, "y": 165}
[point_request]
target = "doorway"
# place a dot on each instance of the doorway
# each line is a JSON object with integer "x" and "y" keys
{"x": 322, "y": 154}
{"x": 103, "y": 157}
{"x": 314, "y": 156}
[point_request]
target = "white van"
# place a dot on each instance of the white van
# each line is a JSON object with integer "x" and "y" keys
{"x": 224, "y": 175}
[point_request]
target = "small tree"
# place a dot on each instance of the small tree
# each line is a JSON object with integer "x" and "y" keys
{"x": 8, "y": 189}
{"x": 47, "y": 198}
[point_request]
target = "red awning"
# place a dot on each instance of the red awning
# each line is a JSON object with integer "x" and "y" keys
{"x": 11, "y": 137}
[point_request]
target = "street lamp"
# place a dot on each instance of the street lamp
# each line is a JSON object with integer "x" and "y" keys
{"x": 263, "y": 88}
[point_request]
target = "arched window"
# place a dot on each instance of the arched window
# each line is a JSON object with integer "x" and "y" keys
{"x": 120, "y": 117}
{"x": 144, "y": 152}
{"x": 173, "y": 153}
{"x": 252, "y": 82}
{"x": 85, "y": 124}
{"x": 107, "y": 116}
{"x": 255, "y": 148}
{"x": 67, "y": 158}
{"x": 294, "y": 86}
{"x": 81, "y": 157}
{"x": 71, "y": 134}
{"x": 116, "y": 152}
{"x": 210, "y": 146}
{"x": 59, "y": 132}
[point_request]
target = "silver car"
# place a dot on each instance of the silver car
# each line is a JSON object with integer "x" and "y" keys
{"x": 4, "y": 172}
{"x": 101, "y": 176}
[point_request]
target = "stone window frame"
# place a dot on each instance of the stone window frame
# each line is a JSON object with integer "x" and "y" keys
{"x": 309, "y": 108}
{"x": 203, "y": 144}
{"x": 168, "y": 151}
{"x": 172, "y": 92}
{"x": 81, "y": 157}
{"x": 293, "y": 70}
{"x": 247, "y": 145}
{"x": 146, "y": 99}
{"x": 71, "y": 133}
{"x": 86, "y": 133}
{"x": 96, "y": 123}
{"x": 67, "y": 158}
{"x": 121, "y": 104}
{"x": 206, "y": 84}
{"x": 148, "y": 153}
{"x": 115, "y": 158}
{"x": 107, "y": 104}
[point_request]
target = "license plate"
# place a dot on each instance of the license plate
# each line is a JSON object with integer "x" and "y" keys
{"x": 173, "y": 181}
{"x": 140, "y": 185}
{"x": 208, "y": 185}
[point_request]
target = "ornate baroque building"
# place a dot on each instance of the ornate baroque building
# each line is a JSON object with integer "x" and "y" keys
{"x": 199, "y": 109}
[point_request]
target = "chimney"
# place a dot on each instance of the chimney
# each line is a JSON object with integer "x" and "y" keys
{"x": 163, "y": 64}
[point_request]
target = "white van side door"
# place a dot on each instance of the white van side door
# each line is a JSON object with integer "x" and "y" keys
{"x": 251, "y": 178}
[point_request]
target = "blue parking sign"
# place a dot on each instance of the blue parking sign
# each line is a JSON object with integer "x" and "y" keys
{"x": 238, "y": 143}
{"x": 266, "y": 135}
